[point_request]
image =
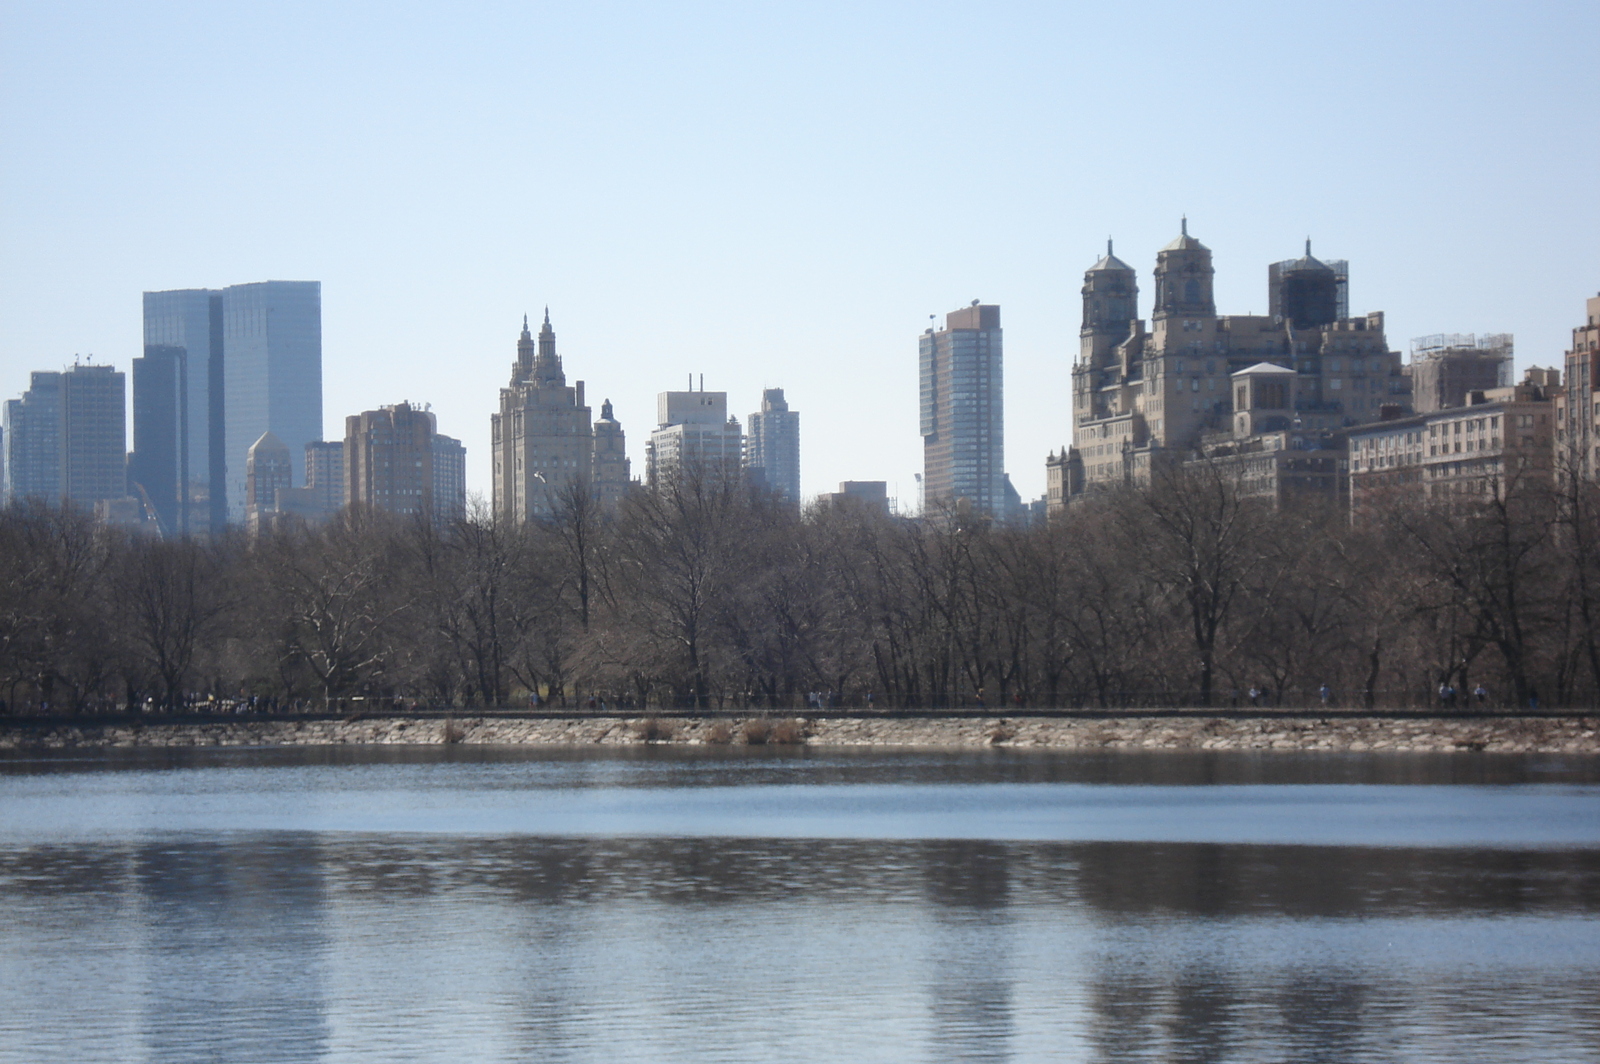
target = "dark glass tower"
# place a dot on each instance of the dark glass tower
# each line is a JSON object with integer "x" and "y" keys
{"x": 178, "y": 412}
{"x": 156, "y": 470}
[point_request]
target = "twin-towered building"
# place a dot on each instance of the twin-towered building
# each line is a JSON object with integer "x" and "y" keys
{"x": 220, "y": 368}
{"x": 547, "y": 445}
{"x": 545, "y": 441}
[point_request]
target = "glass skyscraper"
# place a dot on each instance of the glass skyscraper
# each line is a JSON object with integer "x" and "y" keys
{"x": 65, "y": 438}
{"x": 272, "y": 377}
{"x": 33, "y": 440}
{"x": 772, "y": 448}
{"x": 963, "y": 412}
{"x": 178, "y": 456}
{"x": 220, "y": 368}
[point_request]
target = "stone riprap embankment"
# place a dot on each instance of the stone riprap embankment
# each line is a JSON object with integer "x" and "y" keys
{"x": 1187, "y": 731}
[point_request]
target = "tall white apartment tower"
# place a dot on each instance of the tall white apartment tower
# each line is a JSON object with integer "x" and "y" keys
{"x": 694, "y": 437}
{"x": 544, "y": 437}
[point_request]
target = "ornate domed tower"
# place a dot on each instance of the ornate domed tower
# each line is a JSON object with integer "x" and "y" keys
{"x": 1110, "y": 307}
{"x": 1184, "y": 279}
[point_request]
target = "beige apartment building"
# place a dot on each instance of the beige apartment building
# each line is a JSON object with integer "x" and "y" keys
{"x": 544, "y": 439}
{"x": 1578, "y": 410}
{"x": 1146, "y": 394}
{"x": 388, "y": 460}
{"x": 1502, "y": 437}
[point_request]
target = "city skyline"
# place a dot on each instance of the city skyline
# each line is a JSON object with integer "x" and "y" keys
{"x": 395, "y": 158}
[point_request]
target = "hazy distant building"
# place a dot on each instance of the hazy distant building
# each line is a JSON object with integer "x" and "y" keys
{"x": 772, "y": 449}
{"x": 155, "y": 468}
{"x": 220, "y": 368}
{"x": 449, "y": 478}
{"x": 1447, "y": 368}
{"x": 544, "y": 439}
{"x": 94, "y": 434}
{"x": 611, "y": 465}
{"x": 1168, "y": 392}
{"x": 963, "y": 412}
{"x": 65, "y": 438}
{"x": 1578, "y": 409}
{"x": 693, "y": 437}
{"x": 267, "y": 477}
{"x": 388, "y": 460}
{"x": 272, "y": 376}
{"x": 325, "y": 474}
{"x": 33, "y": 440}
{"x": 871, "y": 494}
{"x": 178, "y": 444}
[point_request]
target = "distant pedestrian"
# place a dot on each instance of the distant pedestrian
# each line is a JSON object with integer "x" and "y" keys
{"x": 1481, "y": 693}
{"x": 1326, "y": 692}
{"x": 1255, "y": 696}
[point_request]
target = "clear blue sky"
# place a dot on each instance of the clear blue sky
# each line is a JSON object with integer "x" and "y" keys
{"x": 779, "y": 194}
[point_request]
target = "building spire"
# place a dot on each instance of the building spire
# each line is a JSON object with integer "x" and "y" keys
{"x": 547, "y": 313}
{"x": 524, "y": 366}
{"x": 1108, "y": 247}
{"x": 1308, "y": 247}
{"x": 1183, "y": 225}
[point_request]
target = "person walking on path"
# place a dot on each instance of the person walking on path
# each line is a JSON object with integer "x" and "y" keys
{"x": 1326, "y": 692}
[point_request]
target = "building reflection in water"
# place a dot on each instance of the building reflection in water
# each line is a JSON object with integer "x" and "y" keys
{"x": 235, "y": 948}
{"x": 969, "y": 959}
{"x": 303, "y": 947}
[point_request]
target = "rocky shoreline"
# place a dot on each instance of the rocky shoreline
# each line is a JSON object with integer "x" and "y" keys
{"x": 1566, "y": 734}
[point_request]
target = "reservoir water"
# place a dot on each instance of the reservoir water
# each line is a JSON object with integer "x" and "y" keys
{"x": 749, "y": 905}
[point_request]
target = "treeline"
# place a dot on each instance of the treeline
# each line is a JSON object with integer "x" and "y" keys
{"x": 718, "y": 596}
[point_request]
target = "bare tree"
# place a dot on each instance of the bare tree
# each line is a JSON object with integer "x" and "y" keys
{"x": 1203, "y": 543}
{"x": 172, "y": 600}
{"x": 333, "y": 595}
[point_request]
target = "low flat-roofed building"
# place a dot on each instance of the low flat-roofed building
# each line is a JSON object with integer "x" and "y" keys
{"x": 1288, "y": 467}
{"x": 1503, "y": 436}
{"x": 872, "y": 494}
